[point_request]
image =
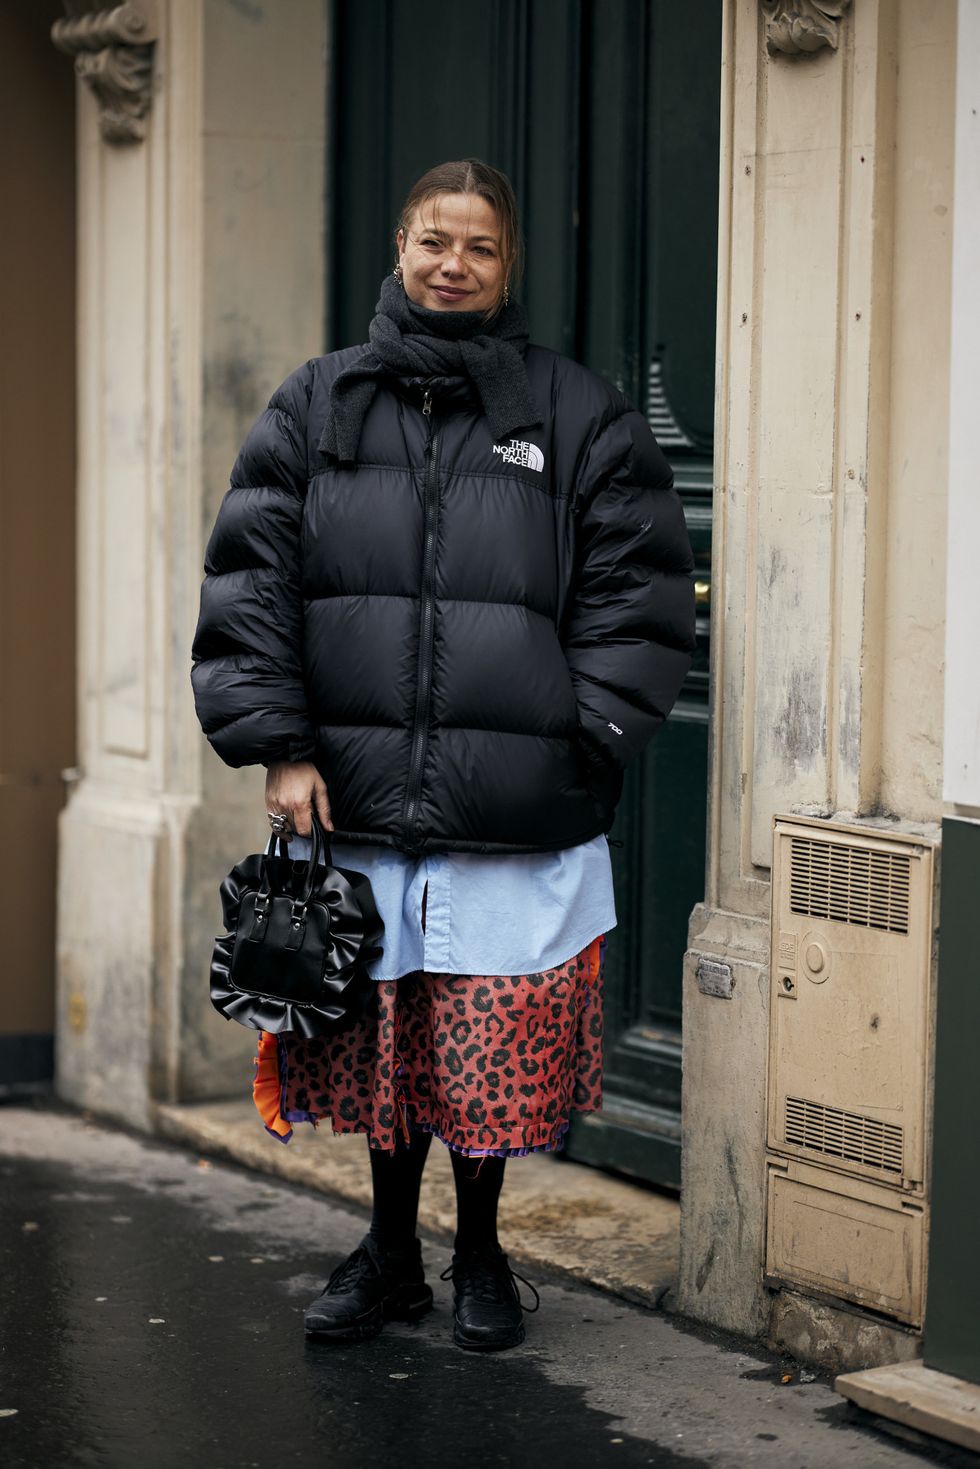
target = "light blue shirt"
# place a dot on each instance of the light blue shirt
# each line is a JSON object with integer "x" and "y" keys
{"x": 517, "y": 913}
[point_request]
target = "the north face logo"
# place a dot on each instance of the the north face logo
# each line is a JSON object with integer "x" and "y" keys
{"x": 520, "y": 452}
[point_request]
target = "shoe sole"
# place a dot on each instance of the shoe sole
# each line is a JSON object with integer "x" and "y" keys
{"x": 399, "y": 1306}
{"x": 360, "y": 1329}
{"x": 498, "y": 1344}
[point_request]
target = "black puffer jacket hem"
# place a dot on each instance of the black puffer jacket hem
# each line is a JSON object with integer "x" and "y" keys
{"x": 428, "y": 845}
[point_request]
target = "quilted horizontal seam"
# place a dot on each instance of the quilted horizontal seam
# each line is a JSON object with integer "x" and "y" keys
{"x": 523, "y": 734}
{"x": 414, "y": 597}
{"x": 293, "y": 496}
{"x": 438, "y": 726}
{"x": 252, "y": 713}
{"x": 449, "y": 472}
{"x": 361, "y": 724}
{"x": 258, "y": 579}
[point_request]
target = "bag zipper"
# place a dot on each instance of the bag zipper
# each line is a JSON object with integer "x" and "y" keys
{"x": 427, "y": 615}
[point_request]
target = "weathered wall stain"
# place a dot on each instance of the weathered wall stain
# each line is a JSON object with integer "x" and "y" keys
{"x": 732, "y": 1167}
{"x": 799, "y": 732}
{"x": 705, "y": 1268}
{"x": 233, "y": 385}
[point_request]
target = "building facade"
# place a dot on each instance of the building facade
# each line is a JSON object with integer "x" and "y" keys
{"x": 759, "y": 219}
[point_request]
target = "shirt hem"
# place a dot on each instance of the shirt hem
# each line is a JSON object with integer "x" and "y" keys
{"x": 537, "y": 967}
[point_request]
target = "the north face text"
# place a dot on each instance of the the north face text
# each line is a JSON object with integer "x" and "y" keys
{"x": 520, "y": 452}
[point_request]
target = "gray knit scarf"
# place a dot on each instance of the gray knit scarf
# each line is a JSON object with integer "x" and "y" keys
{"x": 409, "y": 341}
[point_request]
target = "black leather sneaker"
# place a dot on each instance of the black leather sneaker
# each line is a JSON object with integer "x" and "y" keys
{"x": 368, "y": 1288}
{"x": 488, "y": 1315}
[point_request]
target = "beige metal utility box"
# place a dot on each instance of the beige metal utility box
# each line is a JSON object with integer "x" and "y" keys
{"x": 850, "y": 1007}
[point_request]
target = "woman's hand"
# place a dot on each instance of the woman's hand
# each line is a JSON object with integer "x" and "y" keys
{"x": 293, "y": 789}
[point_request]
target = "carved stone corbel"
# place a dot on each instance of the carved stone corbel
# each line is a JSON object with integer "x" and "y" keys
{"x": 798, "y": 27}
{"x": 113, "y": 51}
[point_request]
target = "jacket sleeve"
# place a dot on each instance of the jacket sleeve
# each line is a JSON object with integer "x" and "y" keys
{"x": 247, "y": 650}
{"x": 629, "y": 633}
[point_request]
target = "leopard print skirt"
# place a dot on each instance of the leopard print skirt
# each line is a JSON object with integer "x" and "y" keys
{"x": 492, "y": 1064}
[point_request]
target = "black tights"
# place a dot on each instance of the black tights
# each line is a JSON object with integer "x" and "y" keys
{"x": 478, "y": 1183}
{"x": 397, "y": 1178}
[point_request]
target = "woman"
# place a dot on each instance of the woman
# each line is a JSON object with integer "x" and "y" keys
{"x": 447, "y": 599}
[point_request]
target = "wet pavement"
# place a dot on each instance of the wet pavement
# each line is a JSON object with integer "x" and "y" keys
{"x": 151, "y": 1316}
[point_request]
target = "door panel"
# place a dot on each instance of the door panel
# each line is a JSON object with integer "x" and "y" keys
{"x": 502, "y": 85}
{"x": 605, "y": 117}
{"x": 649, "y": 209}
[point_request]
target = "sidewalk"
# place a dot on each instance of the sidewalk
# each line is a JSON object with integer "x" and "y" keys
{"x": 151, "y": 1315}
{"x": 555, "y": 1215}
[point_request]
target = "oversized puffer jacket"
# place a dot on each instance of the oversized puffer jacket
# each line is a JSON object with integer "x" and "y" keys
{"x": 469, "y": 639}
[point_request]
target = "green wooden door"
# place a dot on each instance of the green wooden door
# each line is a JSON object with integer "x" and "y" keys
{"x": 605, "y": 116}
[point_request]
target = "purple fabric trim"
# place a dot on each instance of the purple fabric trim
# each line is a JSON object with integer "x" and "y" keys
{"x": 557, "y": 1143}
{"x": 284, "y": 1112}
{"x": 282, "y": 1067}
{"x": 280, "y": 1137}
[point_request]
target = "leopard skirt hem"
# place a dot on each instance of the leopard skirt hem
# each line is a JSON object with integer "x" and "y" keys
{"x": 492, "y": 1065}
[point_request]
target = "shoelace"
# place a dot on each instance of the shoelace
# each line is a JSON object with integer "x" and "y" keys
{"x": 486, "y": 1279}
{"x": 349, "y": 1271}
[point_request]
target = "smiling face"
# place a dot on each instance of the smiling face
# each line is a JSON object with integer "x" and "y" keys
{"x": 451, "y": 254}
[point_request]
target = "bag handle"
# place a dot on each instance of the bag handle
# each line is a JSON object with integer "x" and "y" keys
{"x": 280, "y": 845}
{"x": 319, "y": 851}
{"x": 317, "y": 840}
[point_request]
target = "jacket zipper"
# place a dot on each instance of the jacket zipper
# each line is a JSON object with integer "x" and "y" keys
{"x": 427, "y": 616}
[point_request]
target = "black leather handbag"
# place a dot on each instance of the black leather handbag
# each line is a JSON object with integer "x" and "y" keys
{"x": 300, "y": 937}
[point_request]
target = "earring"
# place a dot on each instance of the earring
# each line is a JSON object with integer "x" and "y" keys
{"x": 397, "y": 272}
{"x": 506, "y": 295}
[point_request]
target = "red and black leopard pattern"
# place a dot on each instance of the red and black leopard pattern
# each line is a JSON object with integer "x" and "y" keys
{"x": 489, "y": 1063}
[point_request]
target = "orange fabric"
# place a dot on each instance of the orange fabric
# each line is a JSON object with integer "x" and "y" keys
{"x": 266, "y": 1089}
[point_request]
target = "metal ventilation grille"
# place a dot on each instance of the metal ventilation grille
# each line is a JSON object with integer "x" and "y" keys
{"x": 850, "y": 884}
{"x": 846, "y": 1135}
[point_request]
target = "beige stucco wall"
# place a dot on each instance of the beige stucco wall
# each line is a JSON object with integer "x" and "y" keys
{"x": 200, "y": 287}
{"x": 918, "y": 417}
{"x": 828, "y": 635}
{"x": 263, "y": 313}
{"x": 961, "y": 734}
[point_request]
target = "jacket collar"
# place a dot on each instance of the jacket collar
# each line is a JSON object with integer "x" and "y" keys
{"x": 447, "y": 392}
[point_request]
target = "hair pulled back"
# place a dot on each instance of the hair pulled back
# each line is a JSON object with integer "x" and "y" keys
{"x": 473, "y": 176}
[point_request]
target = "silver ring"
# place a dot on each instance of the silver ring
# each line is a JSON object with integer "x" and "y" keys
{"x": 279, "y": 823}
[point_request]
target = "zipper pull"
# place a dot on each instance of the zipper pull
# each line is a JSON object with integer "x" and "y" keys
{"x": 427, "y": 415}
{"x": 427, "y": 404}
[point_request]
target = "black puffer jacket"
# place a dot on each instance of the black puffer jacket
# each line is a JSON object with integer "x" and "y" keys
{"x": 470, "y": 640}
